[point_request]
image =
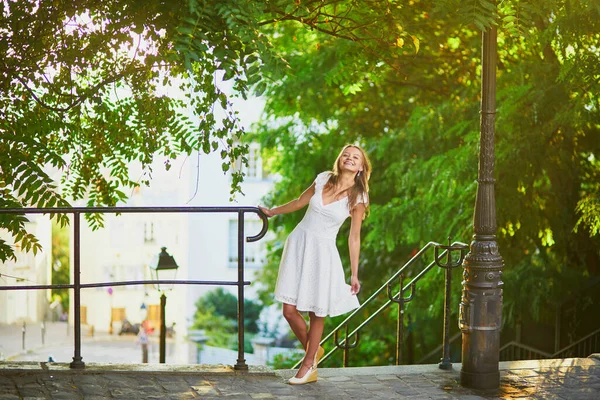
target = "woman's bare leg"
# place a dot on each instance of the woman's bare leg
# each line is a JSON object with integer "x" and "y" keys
{"x": 296, "y": 322}
{"x": 315, "y": 332}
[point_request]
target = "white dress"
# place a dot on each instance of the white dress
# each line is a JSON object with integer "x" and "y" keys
{"x": 311, "y": 275}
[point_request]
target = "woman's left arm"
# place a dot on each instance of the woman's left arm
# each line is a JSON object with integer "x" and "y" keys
{"x": 358, "y": 213}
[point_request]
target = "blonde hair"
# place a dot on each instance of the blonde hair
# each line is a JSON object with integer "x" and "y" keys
{"x": 361, "y": 180}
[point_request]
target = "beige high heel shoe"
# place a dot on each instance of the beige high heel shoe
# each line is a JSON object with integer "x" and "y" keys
{"x": 309, "y": 376}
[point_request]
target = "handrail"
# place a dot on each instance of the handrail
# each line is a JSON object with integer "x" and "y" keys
{"x": 438, "y": 349}
{"x": 525, "y": 347}
{"x": 77, "y": 285}
{"x": 383, "y": 288}
{"x": 557, "y": 354}
{"x": 123, "y": 283}
{"x": 580, "y": 341}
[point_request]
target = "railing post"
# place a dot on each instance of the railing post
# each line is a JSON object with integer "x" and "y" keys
{"x": 346, "y": 346}
{"x": 241, "y": 361}
{"x": 401, "y": 300}
{"x": 23, "y": 333}
{"x": 481, "y": 303}
{"x": 400, "y": 329}
{"x": 557, "y": 329}
{"x": 346, "y": 359}
{"x": 163, "y": 329}
{"x": 77, "y": 362}
{"x": 448, "y": 265}
{"x": 445, "y": 362}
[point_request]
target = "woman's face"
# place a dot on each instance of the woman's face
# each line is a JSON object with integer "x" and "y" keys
{"x": 351, "y": 160}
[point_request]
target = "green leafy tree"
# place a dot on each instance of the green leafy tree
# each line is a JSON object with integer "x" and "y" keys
{"x": 216, "y": 313}
{"x": 417, "y": 116}
{"x": 60, "y": 263}
{"x": 225, "y": 304}
{"x": 402, "y": 78}
{"x": 88, "y": 87}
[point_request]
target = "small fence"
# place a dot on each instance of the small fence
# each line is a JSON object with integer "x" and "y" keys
{"x": 76, "y": 212}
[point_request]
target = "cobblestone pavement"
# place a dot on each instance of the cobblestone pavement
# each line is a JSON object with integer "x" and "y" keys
{"x": 546, "y": 379}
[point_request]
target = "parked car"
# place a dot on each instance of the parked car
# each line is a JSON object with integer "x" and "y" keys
{"x": 128, "y": 328}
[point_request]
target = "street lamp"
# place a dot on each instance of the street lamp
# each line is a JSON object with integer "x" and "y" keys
{"x": 163, "y": 267}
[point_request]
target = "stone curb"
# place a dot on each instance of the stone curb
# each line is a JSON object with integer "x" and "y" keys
{"x": 548, "y": 364}
{"x": 379, "y": 370}
{"x": 433, "y": 368}
{"x": 21, "y": 367}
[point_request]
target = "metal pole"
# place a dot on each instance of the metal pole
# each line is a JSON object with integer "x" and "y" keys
{"x": 145, "y": 353}
{"x": 481, "y": 303}
{"x": 401, "y": 301}
{"x": 163, "y": 329}
{"x": 400, "y": 327}
{"x": 77, "y": 362}
{"x": 445, "y": 362}
{"x": 43, "y": 332}
{"x": 346, "y": 350}
{"x": 23, "y": 332}
{"x": 241, "y": 361}
{"x": 400, "y": 332}
{"x": 557, "y": 330}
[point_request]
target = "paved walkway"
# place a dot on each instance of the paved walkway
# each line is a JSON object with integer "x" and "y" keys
{"x": 11, "y": 337}
{"x": 99, "y": 348}
{"x": 570, "y": 379}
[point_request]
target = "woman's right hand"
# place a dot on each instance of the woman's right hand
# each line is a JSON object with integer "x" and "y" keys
{"x": 266, "y": 211}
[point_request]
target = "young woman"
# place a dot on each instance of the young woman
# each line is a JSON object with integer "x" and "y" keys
{"x": 311, "y": 276}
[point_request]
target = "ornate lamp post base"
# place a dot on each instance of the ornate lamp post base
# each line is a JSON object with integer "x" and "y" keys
{"x": 481, "y": 303}
{"x": 481, "y": 381}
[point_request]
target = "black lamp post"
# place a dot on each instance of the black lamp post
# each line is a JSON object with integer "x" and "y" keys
{"x": 481, "y": 304}
{"x": 163, "y": 267}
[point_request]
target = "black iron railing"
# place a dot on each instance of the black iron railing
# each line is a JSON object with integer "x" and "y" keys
{"x": 77, "y": 362}
{"x": 400, "y": 299}
{"x": 583, "y": 347}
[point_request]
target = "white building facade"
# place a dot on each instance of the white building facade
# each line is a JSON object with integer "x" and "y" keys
{"x": 24, "y": 306}
{"x": 204, "y": 246}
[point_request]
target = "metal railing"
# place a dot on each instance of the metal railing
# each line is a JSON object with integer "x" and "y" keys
{"x": 400, "y": 300}
{"x": 583, "y": 347}
{"x": 77, "y": 362}
{"x": 429, "y": 357}
{"x": 512, "y": 351}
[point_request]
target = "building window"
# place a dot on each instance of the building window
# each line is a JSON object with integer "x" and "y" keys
{"x": 254, "y": 170}
{"x": 254, "y": 163}
{"x": 148, "y": 232}
{"x": 117, "y": 233}
{"x": 254, "y": 255}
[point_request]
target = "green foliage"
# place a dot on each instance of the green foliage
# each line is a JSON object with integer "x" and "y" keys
{"x": 86, "y": 90}
{"x": 417, "y": 115}
{"x": 216, "y": 314}
{"x": 224, "y": 304}
{"x": 220, "y": 330}
{"x": 86, "y": 86}
{"x": 60, "y": 262}
{"x": 589, "y": 208}
{"x": 401, "y": 78}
